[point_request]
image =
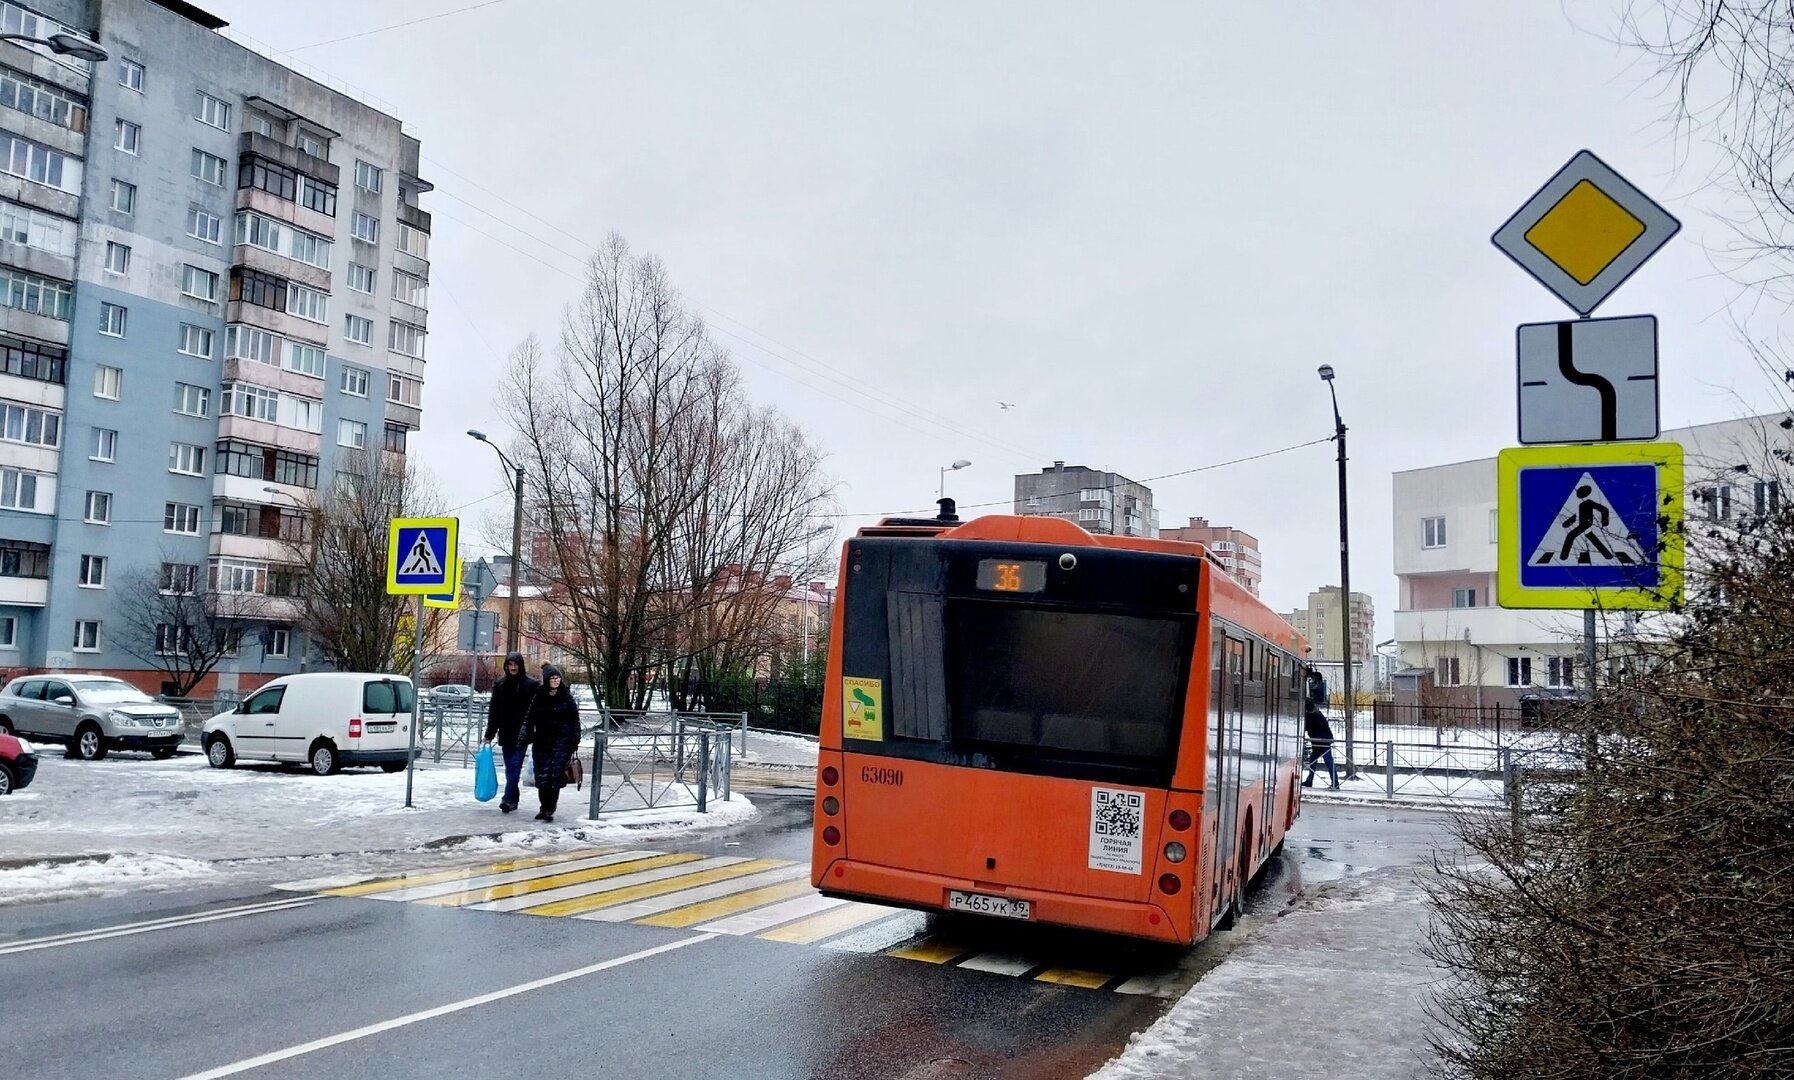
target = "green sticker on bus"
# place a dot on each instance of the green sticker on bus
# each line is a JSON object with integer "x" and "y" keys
{"x": 863, "y": 709}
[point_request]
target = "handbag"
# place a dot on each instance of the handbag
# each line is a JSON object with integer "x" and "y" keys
{"x": 576, "y": 771}
{"x": 485, "y": 775}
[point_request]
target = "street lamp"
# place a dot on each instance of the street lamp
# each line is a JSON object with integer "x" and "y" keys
{"x": 945, "y": 469}
{"x": 63, "y": 45}
{"x": 516, "y": 537}
{"x": 1345, "y": 577}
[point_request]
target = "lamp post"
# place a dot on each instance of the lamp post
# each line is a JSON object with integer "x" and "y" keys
{"x": 1345, "y": 578}
{"x": 511, "y": 629}
{"x": 63, "y": 45}
{"x": 945, "y": 469}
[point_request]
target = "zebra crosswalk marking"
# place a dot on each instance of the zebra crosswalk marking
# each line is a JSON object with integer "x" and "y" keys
{"x": 658, "y": 869}
{"x": 999, "y": 964}
{"x": 654, "y": 905}
{"x": 930, "y": 952}
{"x": 727, "y": 905}
{"x": 369, "y": 888}
{"x": 652, "y": 888}
{"x": 480, "y": 882}
{"x": 530, "y": 887}
{"x": 837, "y": 920}
{"x": 752, "y": 922}
{"x": 1089, "y": 980}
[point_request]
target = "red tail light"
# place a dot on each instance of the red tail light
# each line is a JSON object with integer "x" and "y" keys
{"x": 1169, "y": 885}
{"x": 830, "y": 776}
{"x": 355, "y": 728}
{"x": 832, "y": 836}
{"x": 1180, "y": 820}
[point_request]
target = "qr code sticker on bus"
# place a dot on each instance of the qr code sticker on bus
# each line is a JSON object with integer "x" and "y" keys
{"x": 1117, "y": 818}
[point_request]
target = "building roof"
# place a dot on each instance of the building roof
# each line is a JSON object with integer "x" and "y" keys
{"x": 188, "y": 11}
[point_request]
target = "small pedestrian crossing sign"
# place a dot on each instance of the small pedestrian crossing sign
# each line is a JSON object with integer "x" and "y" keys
{"x": 1593, "y": 526}
{"x": 421, "y": 554}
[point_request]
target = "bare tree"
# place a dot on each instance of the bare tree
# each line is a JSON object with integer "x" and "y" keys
{"x": 345, "y": 610}
{"x": 177, "y": 621}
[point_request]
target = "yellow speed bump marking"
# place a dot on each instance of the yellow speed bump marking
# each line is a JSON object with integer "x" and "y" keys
{"x": 554, "y": 881}
{"x": 729, "y": 905}
{"x": 829, "y": 923}
{"x": 579, "y": 904}
{"x": 437, "y": 877}
{"x": 1089, "y": 980}
{"x": 929, "y": 952}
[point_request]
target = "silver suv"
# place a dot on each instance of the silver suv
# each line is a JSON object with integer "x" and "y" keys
{"x": 90, "y": 714}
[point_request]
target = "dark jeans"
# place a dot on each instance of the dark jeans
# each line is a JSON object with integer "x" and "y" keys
{"x": 1326, "y": 755}
{"x": 513, "y": 770}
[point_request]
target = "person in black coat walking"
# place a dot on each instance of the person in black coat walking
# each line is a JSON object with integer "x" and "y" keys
{"x": 553, "y": 726}
{"x": 511, "y": 697}
{"x": 1320, "y": 740}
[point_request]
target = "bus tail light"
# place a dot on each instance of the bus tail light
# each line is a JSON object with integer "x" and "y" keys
{"x": 832, "y": 836}
{"x": 1169, "y": 885}
{"x": 831, "y": 805}
{"x": 355, "y": 727}
{"x": 830, "y": 776}
{"x": 1180, "y": 820}
{"x": 1175, "y": 852}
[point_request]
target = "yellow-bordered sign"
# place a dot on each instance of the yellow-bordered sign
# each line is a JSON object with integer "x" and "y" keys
{"x": 451, "y": 598}
{"x": 421, "y": 556}
{"x": 1590, "y": 526}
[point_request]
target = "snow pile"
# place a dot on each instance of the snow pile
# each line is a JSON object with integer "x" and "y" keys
{"x": 99, "y": 876}
{"x": 778, "y": 748}
{"x": 1344, "y": 978}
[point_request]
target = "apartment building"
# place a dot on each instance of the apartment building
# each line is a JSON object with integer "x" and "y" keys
{"x": 1101, "y": 502}
{"x": 1454, "y": 645}
{"x": 1237, "y": 551}
{"x": 216, "y": 307}
{"x": 1319, "y": 622}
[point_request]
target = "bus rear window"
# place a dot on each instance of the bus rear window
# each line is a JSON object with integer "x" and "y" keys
{"x": 1077, "y": 693}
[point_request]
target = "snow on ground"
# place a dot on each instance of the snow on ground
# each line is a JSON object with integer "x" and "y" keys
{"x": 1342, "y": 974}
{"x": 778, "y": 748}
{"x": 172, "y": 821}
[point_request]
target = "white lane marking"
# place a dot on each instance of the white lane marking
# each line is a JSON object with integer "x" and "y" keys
{"x": 605, "y": 885}
{"x": 129, "y": 929}
{"x": 655, "y": 905}
{"x": 511, "y": 877}
{"x": 751, "y": 922}
{"x": 441, "y": 1010}
{"x": 999, "y": 964}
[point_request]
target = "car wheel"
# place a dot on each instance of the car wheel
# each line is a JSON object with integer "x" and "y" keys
{"x": 90, "y": 745}
{"x": 392, "y": 766}
{"x": 5, "y": 778}
{"x": 6, "y": 727}
{"x": 323, "y": 758}
{"x": 162, "y": 753}
{"x": 219, "y": 755}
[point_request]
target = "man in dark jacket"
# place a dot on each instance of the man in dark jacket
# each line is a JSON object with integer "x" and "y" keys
{"x": 511, "y": 696}
{"x": 1320, "y": 742}
{"x": 553, "y": 727}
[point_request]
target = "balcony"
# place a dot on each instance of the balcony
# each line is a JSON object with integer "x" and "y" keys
{"x": 237, "y": 369}
{"x": 292, "y": 213}
{"x": 278, "y": 322}
{"x": 24, "y": 592}
{"x": 1491, "y": 627}
{"x": 232, "y": 426}
{"x": 255, "y": 258}
{"x": 254, "y": 548}
{"x": 290, "y": 156}
{"x": 412, "y": 216}
{"x": 412, "y": 418}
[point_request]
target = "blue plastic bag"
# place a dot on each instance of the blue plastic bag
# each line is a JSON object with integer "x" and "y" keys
{"x": 485, "y": 775}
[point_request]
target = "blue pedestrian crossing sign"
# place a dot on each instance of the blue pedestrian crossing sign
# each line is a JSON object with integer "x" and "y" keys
{"x": 420, "y": 556}
{"x": 1590, "y": 526}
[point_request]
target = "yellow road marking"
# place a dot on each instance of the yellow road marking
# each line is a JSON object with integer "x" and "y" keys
{"x": 580, "y": 904}
{"x": 408, "y": 880}
{"x": 929, "y": 952}
{"x": 728, "y": 905}
{"x": 554, "y": 881}
{"x": 828, "y": 924}
{"x": 1089, "y": 980}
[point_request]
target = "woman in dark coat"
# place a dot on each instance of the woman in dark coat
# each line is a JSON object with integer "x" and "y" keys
{"x": 553, "y": 725}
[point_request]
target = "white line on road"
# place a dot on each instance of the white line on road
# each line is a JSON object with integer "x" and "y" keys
{"x": 148, "y": 926}
{"x": 440, "y": 1010}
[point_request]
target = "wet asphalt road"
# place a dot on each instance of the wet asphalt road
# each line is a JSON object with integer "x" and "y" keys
{"x": 305, "y": 971}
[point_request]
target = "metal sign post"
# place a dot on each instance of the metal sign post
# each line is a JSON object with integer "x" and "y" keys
{"x": 417, "y": 699}
{"x": 421, "y": 561}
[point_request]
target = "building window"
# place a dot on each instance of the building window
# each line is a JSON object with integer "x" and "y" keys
{"x": 406, "y": 339}
{"x": 414, "y": 241}
{"x": 1519, "y": 671}
{"x": 208, "y": 167}
{"x": 358, "y": 329}
{"x": 365, "y": 228}
{"x": 248, "y": 343}
{"x": 318, "y": 196}
{"x": 1560, "y": 672}
{"x": 107, "y": 382}
{"x": 98, "y": 510}
{"x": 264, "y": 175}
{"x": 112, "y": 320}
{"x": 39, "y": 164}
{"x": 308, "y": 304}
{"x": 355, "y": 382}
{"x": 368, "y": 177}
{"x": 1093, "y": 513}
{"x": 93, "y": 572}
{"x": 209, "y": 110}
{"x": 130, "y": 75}
{"x": 186, "y": 459}
{"x": 118, "y": 258}
{"x": 124, "y": 197}
{"x": 255, "y": 402}
{"x": 192, "y": 400}
{"x": 46, "y": 101}
{"x": 1463, "y": 598}
{"x": 352, "y": 433}
{"x": 310, "y": 248}
{"x": 172, "y": 640}
{"x": 258, "y": 288}
{"x": 9, "y": 632}
{"x": 1767, "y": 497}
{"x": 87, "y": 635}
{"x": 30, "y": 425}
{"x": 199, "y": 284}
{"x": 196, "y": 341}
{"x": 238, "y": 576}
{"x": 1432, "y": 532}
{"x": 105, "y": 445}
{"x": 203, "y": 226}
{"x": 237, "y": 458}
{"x": 21, "y": 559}
{"x": 1445, "y": 671}
{"x": 361, "y": 278}
{"x": 410, "y": 289}
{"x": 37, "y": 295}
{"x": 305, "y": 359}
{"x": 1717, "y": 501}
{"x": 180, "y": 518}
{"x": 403, "y": 391}
{"x": 312, "y": 144}
{"x": 259, "y": 231}
{"x": 21, "y": 224}
{"x": 126, "y": 136}
{"x": 178, "y": 578}
{"x": 276, "y": 641}
{"x": 395, "y": 438}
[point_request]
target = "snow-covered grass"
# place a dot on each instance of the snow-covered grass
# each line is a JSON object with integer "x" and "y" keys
{"x": 175, "y": 820}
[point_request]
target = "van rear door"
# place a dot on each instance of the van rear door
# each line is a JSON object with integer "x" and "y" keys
{"x": 385, "y": 715}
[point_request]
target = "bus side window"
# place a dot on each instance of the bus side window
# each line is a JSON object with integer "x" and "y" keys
{"x": 918, "y": 701}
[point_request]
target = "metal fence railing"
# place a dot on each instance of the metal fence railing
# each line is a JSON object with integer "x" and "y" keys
{"x": 1475, "y": 772}
{"x": 659, "y": 769}
{"x": 648, "y": 721}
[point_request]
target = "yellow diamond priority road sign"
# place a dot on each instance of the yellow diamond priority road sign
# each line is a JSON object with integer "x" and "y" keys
{"x": 1584, "y": 232}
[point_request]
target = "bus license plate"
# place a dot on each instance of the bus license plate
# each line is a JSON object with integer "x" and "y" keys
{"x": 980, "y": 904}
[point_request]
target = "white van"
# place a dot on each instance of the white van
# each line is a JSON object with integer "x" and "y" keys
{"x": 324, "y": 719}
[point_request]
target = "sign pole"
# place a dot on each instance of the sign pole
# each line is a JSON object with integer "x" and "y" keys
{"x": 417, "y": 708}
{"x": 1588, "y": 647}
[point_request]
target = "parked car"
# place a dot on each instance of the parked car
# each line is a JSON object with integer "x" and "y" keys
{"x": 325, "y": 719}
{"x": 18, "y": 764}
{"x": 452, "y": 694}
{"x": 90, "y": 714}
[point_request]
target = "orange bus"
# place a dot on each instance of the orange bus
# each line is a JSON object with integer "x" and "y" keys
{"x": 1024, "y": 720}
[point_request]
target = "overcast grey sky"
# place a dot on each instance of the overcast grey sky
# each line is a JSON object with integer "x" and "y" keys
{"x": 1145, "y": 229}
